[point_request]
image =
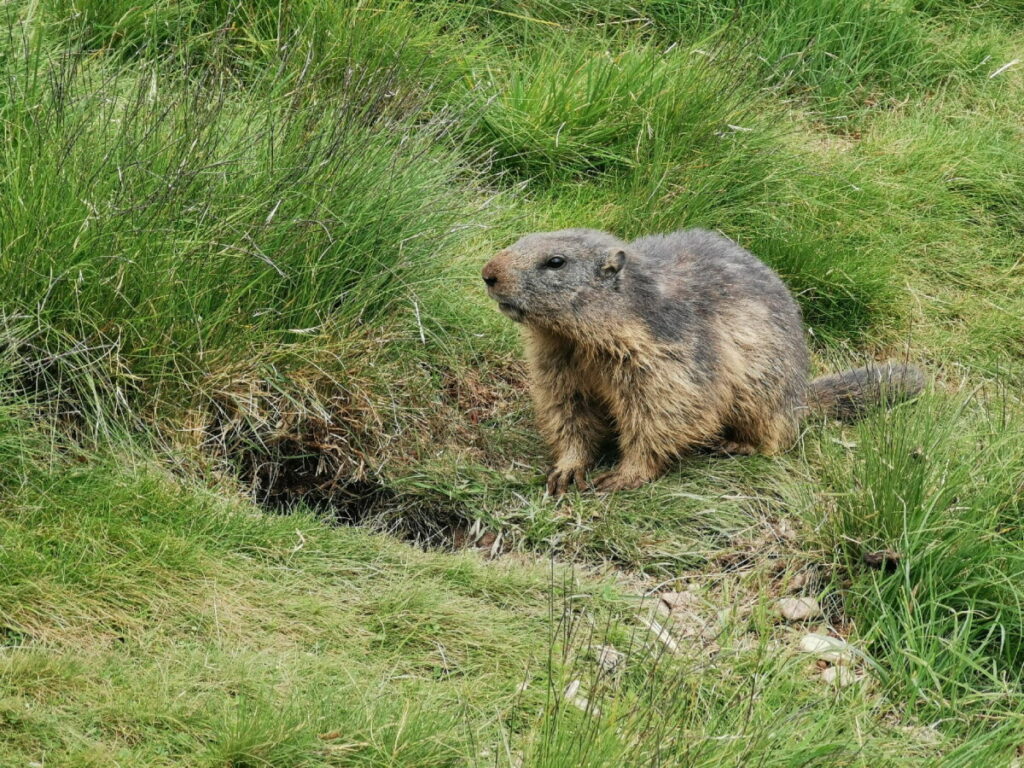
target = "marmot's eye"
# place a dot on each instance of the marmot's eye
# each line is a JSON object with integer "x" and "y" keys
{"x": 555, "y": 262}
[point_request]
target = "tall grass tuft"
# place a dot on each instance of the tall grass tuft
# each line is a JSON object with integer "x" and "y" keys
{"x": 569, "y": 108}
{"x": 343, "y": 41}
{"x": 165, "y": 223}
{"x": 940, "y": 485}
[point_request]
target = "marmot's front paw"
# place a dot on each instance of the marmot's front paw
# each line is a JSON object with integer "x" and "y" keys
{"x": 561, "y": 478}
{"x": 617, "y": 480}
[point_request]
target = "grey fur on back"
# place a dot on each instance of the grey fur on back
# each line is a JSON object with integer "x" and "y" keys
{"x": 687, "y": 274}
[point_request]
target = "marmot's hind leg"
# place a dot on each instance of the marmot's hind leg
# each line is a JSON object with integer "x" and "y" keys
{"x": 769, "y": 434}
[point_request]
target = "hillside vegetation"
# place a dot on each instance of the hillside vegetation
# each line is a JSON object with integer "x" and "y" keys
{"x": 271, "y": 491}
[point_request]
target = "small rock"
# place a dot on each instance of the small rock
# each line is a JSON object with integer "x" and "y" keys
{"x": 582, "y": 703}
{"x": 609, "y": 659}
{"x": 689, "y": 624}
{"x": 830, "y": 649}
{"x": 675, "y": 601}
{"x": 799, "y": 608}
{"x": 663, "y": 636}
{"x": 799, "y": 581}
{"x": 841, "y": 676}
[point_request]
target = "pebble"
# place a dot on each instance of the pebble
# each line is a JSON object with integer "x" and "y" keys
{"x": 841, "y": 676}
{"x": 663, "y": 636}
{"x": 675, "y": 601}
{"x": 582, "y": 703}
{"x": 799, "y": 608}
{"x": 830, "y": 649}
{"x": 609, "y": 659}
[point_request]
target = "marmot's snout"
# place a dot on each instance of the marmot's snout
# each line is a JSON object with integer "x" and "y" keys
{"x": 499, "y": 283}
{"x": 490, "y": 274}
{"x": 495, "y": 271}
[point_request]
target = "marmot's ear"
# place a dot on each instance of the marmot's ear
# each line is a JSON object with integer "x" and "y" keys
{"x": 614, "y": 261}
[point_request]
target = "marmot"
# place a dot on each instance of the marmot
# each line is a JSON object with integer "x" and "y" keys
{"x": 668, "y": 343}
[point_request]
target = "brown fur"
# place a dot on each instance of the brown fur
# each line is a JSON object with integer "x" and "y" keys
{"x": 668, "y": 343}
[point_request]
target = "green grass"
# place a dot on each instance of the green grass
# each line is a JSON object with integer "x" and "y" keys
{"x": 219, "y": 273}
{"x": 151, "y": 621}
{"x": 945, "y": 493}
{"x": 239, "y": 252}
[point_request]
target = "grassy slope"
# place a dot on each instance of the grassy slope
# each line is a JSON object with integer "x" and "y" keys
{"x": 148, "y": 621}
{"x": 244, "y": 252}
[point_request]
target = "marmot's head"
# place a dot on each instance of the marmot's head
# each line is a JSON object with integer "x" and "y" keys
{"x": 542, "y": 276}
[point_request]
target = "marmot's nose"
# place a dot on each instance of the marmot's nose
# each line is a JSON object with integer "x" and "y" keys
{"x": 490, "y": 274}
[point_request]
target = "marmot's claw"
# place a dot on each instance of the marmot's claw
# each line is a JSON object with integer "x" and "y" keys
{"x": 559, "y": 480}
{"x": 617, "y": 481}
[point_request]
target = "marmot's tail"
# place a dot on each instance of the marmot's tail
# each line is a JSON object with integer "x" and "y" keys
{"x": 848, "y": 395}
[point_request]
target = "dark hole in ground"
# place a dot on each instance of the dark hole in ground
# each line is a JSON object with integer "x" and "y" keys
{"x": 289, "y": 475}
